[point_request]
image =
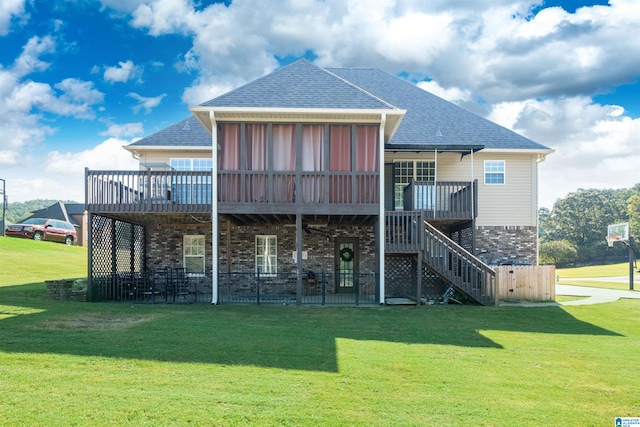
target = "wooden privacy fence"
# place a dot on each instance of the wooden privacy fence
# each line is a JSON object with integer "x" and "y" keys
{"x": 526, "y": 283}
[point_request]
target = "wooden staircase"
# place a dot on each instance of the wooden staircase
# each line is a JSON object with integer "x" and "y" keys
{"x": 408, "y": 232}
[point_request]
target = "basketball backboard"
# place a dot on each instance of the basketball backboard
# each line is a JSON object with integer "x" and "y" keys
{"x": 621, "y": 231}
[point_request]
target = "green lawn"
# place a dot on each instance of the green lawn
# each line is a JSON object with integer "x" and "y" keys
{"x": 27, "y": 261}
{"x": 608, "y": 270}
{"x": 568, "y": 275}
{"x": 110, "y": 364}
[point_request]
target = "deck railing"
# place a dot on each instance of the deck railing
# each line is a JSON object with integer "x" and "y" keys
{"x": 442, "y": 200}
{"x": 177, "y": 191}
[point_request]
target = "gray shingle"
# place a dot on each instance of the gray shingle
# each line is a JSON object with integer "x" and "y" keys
{"x": 298, "y": 85}
{"x": 430, "y": 121}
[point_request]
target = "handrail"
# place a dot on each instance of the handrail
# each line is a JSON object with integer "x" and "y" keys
{"x": 442, "y": 199}
{"x": 171, "y": 191}
{"x": 458, "y": 266}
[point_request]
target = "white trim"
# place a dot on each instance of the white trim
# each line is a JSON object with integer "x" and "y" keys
{"x": 347, "y": 111}
{"x": 214, "y": 212}
{"x": 184, "y": 255}
{"x": 543, "y": 151}
{"x": 137, "y": 149}
{"x": 381, "y": 211}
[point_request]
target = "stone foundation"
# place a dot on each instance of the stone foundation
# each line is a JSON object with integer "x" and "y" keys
{"x": 67, "y": 290}
{"x": 508, "y": 244}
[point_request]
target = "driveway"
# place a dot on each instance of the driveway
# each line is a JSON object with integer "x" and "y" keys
{"x": 597, "y": 295}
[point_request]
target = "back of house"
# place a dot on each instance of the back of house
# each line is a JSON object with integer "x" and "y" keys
{"x": 316, "y": 186}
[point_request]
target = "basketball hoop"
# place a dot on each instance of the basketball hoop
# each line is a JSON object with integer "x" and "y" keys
{"x": 611, "y": 240}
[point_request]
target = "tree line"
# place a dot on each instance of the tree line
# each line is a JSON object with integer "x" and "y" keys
{"x": 574, "y": 230}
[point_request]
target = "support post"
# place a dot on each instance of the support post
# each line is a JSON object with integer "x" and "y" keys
{"x": 214, "y": 210}
{"x": 632, "y": 258}
{"x": 299, "y": 258}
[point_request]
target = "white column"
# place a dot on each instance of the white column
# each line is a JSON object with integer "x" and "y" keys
{"x": 214, "y": 210}
{"x": 381, "y": 213}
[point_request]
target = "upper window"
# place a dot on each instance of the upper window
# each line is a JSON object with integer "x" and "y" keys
{"x": 494, "y": 171}
{"x": 193, "y": 248}
{"x": 405, "y": 171}
{"x": 191, "y": 164}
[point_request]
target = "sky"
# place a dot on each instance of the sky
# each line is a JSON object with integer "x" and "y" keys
{"x": 81, "y": 78}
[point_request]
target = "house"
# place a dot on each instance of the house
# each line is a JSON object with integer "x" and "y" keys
{"x": 312, "y": 185}
{"x": 73, "y": 213}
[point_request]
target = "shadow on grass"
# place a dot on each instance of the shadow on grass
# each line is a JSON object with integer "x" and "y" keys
{"x": 268, "y": 336}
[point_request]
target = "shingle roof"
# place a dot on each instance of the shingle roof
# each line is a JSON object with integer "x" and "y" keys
{"x": 299, "y": 85}
{"x": 430, "y": 122}
{"x": 185, "y": 133}
{"x": 60, "y": 210}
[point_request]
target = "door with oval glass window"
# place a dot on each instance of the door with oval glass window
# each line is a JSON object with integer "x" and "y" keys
{"x": 346, "y": 264}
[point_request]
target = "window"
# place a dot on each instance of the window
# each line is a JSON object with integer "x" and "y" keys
{"x": 266, "y": 255}
{"x": 405, "y": 171}
{"x": 193, "y": 247}
{"x": 494, "y": 171}
{"x": 191, "y": 189}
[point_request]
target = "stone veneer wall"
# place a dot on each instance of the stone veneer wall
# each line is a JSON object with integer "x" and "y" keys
{"x": 507, "y": 244}
{"x": 164, "y": 246}
{"x": 319, "y": 244}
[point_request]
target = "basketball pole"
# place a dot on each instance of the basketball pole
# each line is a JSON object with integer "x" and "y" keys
{"x": 632, "y": 259}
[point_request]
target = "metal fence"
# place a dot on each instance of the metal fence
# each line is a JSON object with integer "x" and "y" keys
{"x": 281, "y": 288}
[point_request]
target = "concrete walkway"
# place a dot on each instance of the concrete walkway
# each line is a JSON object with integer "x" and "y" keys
{"x": 596, "y": 295}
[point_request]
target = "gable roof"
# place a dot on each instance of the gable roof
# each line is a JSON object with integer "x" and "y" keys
{"x": 61, "y": 211}
{"x": 429, "y": 122}
{"x": 300, "y": 85}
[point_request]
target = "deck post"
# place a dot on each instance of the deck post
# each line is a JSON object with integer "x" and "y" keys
{"x": 299, "y": 258}
{"x": 214, "y": 210}
{"x": 381, "y": 210}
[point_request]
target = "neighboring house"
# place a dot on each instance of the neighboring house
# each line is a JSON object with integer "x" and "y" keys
{"x": 379, "y": 188}
{"x": 71, "y": 212}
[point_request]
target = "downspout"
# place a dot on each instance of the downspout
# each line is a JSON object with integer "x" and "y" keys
{"x": 381, "y": 211}
{"x": 214, "y": 209}
{"x": 473, "y": 209}
{"x": 435, "y": 182}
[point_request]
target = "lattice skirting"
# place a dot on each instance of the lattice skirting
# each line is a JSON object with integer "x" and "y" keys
{"x": 401, "y": 278}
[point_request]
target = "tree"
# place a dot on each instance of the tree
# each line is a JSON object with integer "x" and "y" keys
{"x": 633, "y": 210}
{"x": 582, "y": 218}
{"x": 557, "y": 252}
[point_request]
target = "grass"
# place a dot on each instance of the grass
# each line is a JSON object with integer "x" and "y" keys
{"x": 26, "y": 261}
{"x": 568, "y": 276}
{"x": 608, "y": 270}
{"x": 119, "y": 364}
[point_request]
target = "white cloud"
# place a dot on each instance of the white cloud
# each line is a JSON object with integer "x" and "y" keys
{"x": 596, "y": 145}
{"x": 122, "y": 73}
{"x": 146, "y": 103}
{"x": 452, "y": 94}
{"x": 57, "y": 175}
{"x": 9, "y": 9}
{"x": 124, "y": 130}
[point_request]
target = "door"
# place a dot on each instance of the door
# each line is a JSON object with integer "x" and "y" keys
{"x": 346, "y": 264}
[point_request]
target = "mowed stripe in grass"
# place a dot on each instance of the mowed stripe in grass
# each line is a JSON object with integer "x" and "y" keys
{"x": 249, "y": 365}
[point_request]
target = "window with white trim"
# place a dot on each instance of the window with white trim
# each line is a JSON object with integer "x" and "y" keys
{"x": 266, "y": 254}
{"x": 494, "y": 171}
{"x": 405, "y": 171}
{"x": 194, "y": 254}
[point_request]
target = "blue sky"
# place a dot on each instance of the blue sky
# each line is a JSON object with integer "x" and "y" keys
{"x": 81, "y": 78}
